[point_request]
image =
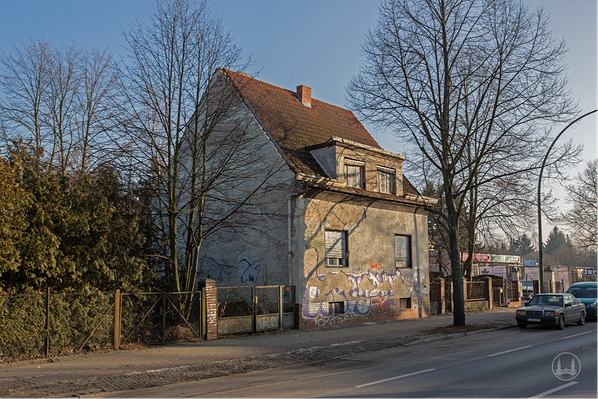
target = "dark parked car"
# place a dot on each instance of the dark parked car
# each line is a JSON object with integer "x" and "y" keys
{"x": 553, "y": 310}
{"x": 586, "y": 293}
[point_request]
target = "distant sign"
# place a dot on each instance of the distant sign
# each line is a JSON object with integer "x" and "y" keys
{"x": 485, "y": 269}
{"x": 476, "y": 257}
{"x": 506, "y": 258}
{"x": 530, "y": 262}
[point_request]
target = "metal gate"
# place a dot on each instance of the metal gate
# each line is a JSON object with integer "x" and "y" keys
{"x": 435, "y": 298}
{"x": 253, "y": 309}
{"x": 160, "y": 317}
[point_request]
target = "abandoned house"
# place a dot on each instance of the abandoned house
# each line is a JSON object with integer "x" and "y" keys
{"x": 337, "y": 219}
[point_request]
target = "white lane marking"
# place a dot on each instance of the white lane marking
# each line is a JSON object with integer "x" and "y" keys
{"x": 393, "y": 378}
{"x": 510, "y": 350}
{"x": 577, "y": 335}
{"x": 541, "y": 395}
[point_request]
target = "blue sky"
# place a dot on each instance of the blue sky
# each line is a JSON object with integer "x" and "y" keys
{"x": 310, "y": 42}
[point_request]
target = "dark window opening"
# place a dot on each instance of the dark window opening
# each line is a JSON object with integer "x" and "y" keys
{"x": 337, "y": 307}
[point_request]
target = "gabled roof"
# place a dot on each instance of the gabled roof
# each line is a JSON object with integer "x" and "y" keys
{"x": 295, "y": 127}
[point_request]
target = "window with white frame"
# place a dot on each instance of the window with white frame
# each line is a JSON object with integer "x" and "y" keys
{"x": 354, "y": 170}
{"x": 336, "y": 248}
{"x": 402, "y": 250}
{"x": 386, "y": 178}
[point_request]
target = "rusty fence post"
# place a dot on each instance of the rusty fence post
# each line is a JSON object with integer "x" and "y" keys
{"x": 163, "y": 318}
{"x": 117, "y": 318}
{"x": 47, "y": 348}
{"x": 280, "y": 306}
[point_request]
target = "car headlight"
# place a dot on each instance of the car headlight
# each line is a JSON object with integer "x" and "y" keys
{"x": 591, "y": 305}
{"x": 521, "y": 313}
{"x": 550, "y": 313}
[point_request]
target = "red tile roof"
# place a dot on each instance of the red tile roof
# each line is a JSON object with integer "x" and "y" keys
{"x": 295, "y": 126}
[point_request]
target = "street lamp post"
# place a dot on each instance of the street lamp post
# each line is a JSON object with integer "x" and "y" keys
{"x": 540, "y": 252}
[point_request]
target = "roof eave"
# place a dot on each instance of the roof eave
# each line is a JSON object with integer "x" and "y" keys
{"x": 325, "y": 183}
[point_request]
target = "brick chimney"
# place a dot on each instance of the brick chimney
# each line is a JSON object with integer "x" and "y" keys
{"x": 304, "y": 94}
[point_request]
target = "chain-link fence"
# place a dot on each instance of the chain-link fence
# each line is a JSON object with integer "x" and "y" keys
{"x": 267, "y": 299}
{"x": 80, "y": 322}
{"x": 234, "y": 301}
{"x": 44, "y": 324}
{"x": 23, "y": 321}
{"x": 166, "y": 317}
{"x": 50, "y": 324}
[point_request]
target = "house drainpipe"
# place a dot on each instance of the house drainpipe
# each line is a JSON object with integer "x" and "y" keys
{"x": 289, "y": 237}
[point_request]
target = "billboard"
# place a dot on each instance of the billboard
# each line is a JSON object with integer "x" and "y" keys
{"x": 530, "y": 262}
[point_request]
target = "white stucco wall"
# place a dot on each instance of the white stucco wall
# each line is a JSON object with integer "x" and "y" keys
{"x": 253, "y": 251}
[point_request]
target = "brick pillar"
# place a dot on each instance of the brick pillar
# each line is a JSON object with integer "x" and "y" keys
{"x": 440, "y": 281}
{"x": 490, "y": 292}
{"x": 208, "y": 289}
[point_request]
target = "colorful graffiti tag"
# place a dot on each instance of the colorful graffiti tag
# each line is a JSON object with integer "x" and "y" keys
{"x": 378, "y": 299}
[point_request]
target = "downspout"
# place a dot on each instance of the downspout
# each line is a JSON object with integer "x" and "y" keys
{"x": 289, "y": 236}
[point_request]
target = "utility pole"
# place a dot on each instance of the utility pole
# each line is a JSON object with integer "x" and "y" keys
{"x": 540, "y": 252}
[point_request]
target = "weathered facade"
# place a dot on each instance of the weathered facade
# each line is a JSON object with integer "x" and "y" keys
{"x": 340, "y": 222}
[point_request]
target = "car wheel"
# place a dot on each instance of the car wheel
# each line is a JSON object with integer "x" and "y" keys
{"x": 561, "y": 324}
{"x": 521, "y": 325}
{"x": 582, "y": 319}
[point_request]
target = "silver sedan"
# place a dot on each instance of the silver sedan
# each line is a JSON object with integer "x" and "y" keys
{"x": 552, "y": 309}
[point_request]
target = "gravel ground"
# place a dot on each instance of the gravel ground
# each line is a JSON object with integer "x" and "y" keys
{"x": 109, "y": 386}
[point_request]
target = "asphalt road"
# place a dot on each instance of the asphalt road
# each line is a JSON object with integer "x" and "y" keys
{"x": 505, "y": 363}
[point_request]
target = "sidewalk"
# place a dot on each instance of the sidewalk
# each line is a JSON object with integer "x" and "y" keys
{"x": 102, "y": 365}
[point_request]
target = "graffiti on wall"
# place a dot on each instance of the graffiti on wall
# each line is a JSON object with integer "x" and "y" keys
{"x": 370, "y": 292}
{"x": 248, "y": 271}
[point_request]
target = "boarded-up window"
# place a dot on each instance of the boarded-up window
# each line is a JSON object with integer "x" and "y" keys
{"x": 386, "y": 179}
{"x": 336, "y": 248}
{"x": 402, "y": 251}
{"x": 404, "y": 303}
{"x": 355, "y": 173}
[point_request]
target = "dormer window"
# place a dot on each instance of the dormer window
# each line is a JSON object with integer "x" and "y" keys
{"x": 386, "y": 178}
{"x": 354, "y": 170}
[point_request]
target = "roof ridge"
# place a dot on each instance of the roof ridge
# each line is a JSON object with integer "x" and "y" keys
{"x": 292, "y": 125}
{"x": 226, "y": 70}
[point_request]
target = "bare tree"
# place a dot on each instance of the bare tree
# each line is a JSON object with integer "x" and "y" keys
{"x": 193, "y": 147}
{"x": 472, "y": 85}
{"x": 582, "y": 218}
{"x": 65, "y": 99}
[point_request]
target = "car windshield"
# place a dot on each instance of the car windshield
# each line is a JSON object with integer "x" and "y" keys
{"x": 556, "y": 300}
{"x": 583, "y": 292}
